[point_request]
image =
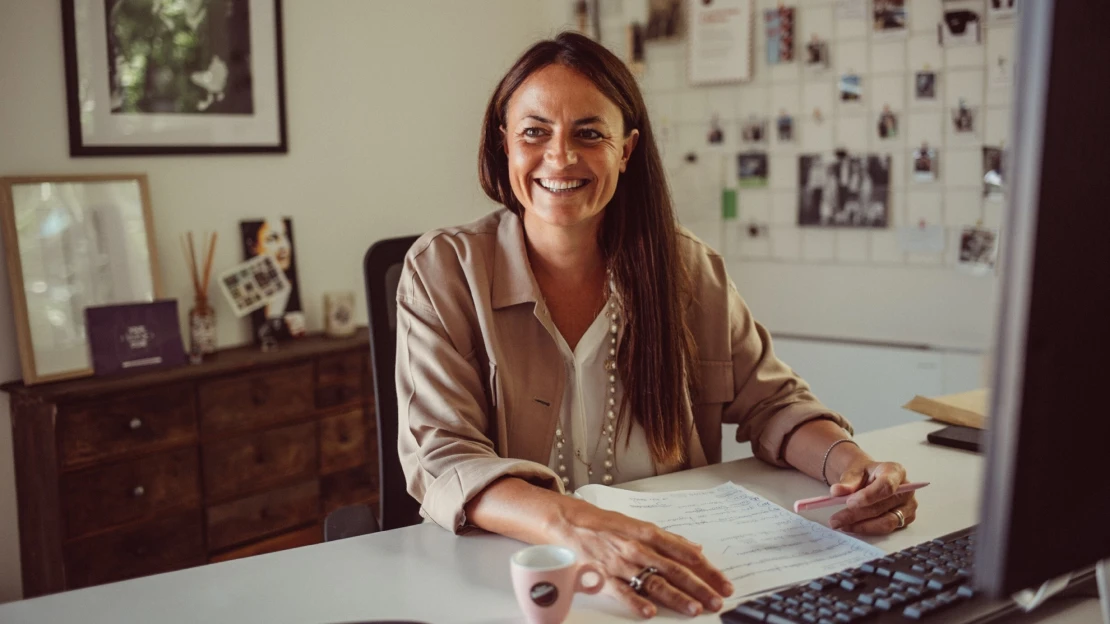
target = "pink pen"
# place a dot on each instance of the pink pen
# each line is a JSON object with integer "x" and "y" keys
{"x": 807, "y": 504}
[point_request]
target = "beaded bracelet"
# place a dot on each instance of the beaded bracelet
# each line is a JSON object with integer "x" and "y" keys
{"x": 825, "y": 462}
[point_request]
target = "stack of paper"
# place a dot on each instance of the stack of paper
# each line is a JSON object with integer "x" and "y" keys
{"x": 756, "y": 543}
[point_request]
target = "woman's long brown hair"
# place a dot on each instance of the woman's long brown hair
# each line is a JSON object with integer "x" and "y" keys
{"x": 638, "y": 238}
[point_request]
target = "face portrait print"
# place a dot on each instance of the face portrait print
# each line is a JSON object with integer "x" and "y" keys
{"x": 281, "y": 317}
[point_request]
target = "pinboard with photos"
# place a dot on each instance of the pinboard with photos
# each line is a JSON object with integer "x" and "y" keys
{"x": 860, "y": 120}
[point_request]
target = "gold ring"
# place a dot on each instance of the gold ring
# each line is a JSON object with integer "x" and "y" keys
{"x": 901, "y": 518}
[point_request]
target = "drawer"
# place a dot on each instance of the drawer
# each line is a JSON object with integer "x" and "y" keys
{"x": 263, "y": 514}
{"x": 162, "y": 545}
{"x": 339, "y": 379}
{"x": 256, "y": 400}
{"x": 99, "y": 498}
{"x": 344, "y": 441}
{"x": 294, "y": 539}
{"x": 258, "y": 461}
{"x": 159, "y": 418}
{"x": 357, "y": 485}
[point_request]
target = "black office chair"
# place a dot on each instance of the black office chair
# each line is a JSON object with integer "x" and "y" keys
{"x": 382, "y": 271}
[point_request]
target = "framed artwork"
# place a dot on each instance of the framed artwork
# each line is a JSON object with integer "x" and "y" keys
{"x": 720, "y": 41}
{"x": 134, "y": 336}
{"x": 281, "y": 315}
{"x": 73, "y": 243}
{"x": 195, "y": 77}
{"x": 844, "y": 190}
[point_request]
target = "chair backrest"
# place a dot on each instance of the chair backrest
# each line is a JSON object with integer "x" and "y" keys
{"x": 349, "y": 521}
{"x": 382, "y": 271}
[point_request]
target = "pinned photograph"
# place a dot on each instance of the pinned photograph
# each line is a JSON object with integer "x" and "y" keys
{"x": 785, "y": 127}
{"x": 851, "y": 88}
{"x": 752, "y": 168}
{"x": 666, "y": 20}
{"x": 754, "y": 130}
{"x": 925, "y": 166}
{"x": 925, "y": 85}
{"x": 888, "y": 17}
{"x": 963, "y": 118}
{"x": 1001, "y": 9}
{"x": 844, "y": 190}
{"x": 1002, "y": 72}
{"x": 978, "y": 250}
{"x": 992, "y": 173}
{"x": 586, "y": 18}
{"x": 960, "y": 27}
{"x": 635, "y": 44}
{"x": 780, "y": 35}
{"x": 888, "y": 123}
{"x": 281, "y": 316}
{"x": 716, "y": 134}
{"x": 817, "y": 54}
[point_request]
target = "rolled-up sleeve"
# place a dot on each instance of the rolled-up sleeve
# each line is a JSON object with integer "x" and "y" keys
{"x": 443, "y": 408}
{"x": 771, "y": 400}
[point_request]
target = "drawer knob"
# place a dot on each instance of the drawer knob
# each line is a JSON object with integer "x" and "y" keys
{"x": 138, "y": 491}
{"x": 136, "y": 423}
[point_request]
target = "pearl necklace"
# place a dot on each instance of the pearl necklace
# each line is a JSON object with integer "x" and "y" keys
{"x": 608, "y": 427}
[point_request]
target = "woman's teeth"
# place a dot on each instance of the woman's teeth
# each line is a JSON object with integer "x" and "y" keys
{"x": 556, "y": 186}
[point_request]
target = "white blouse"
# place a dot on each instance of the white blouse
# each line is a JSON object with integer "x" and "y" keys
{"x": 582, "y": 415}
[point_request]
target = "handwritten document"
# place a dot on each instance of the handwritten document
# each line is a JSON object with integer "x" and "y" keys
{"x": 756, "y": 543}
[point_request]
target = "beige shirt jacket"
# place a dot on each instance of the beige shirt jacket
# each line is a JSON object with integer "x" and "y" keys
{"x": 480, "y": 375}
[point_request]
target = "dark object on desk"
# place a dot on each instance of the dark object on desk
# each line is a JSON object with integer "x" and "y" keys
{"x": 130, "y": 475}
{"x": 350, "y": 521}
{"x": 959, "y": 437}
{"x": 382, "y": 271}
{"x": 131, "y": 337}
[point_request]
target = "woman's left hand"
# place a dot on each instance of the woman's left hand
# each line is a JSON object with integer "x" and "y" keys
{"x": 871, "y": 506}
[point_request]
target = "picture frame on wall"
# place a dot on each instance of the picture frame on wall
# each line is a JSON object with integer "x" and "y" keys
{"x": 720, "y": 43}
{"x": 174, "y": 78}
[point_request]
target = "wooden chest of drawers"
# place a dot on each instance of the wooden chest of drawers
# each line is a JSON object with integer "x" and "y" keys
{"x": 245, "y": 454}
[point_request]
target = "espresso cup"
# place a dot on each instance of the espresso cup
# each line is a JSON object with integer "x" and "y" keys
{"x": 545, "y": 579}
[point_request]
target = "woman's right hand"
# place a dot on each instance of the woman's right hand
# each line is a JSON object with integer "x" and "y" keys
{"x": 686, "y": 582}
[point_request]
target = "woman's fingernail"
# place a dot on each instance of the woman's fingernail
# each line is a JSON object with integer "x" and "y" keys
{"x": 693, "y": 608}
{"x": 715, "y": 604}
{"x": 728, "y": 588}
{"x": 648, "y": 611}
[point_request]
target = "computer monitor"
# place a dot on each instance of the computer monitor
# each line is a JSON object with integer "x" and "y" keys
{"x": 1046, "y": 497}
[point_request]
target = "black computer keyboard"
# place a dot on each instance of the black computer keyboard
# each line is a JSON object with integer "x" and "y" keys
{"x": 930, "y": 581}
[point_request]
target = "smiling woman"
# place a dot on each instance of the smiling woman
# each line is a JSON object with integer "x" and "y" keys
{"x": 579, "y": 335}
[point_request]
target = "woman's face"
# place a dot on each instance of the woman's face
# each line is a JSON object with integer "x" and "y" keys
{"x": 273, "y": 240}
{"x": 566, "y": 147}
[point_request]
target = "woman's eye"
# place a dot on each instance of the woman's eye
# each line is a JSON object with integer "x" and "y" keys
{"x": 533, "y": 133}
{"x": 592, "y": 135}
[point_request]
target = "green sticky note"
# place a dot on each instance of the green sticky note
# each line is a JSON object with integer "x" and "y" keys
{"x": 728, "y": 203}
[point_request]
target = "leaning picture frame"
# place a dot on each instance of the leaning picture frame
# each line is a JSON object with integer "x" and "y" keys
{"x": 174, "y": 78}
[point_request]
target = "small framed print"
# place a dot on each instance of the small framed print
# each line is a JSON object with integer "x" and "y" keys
{"x": 784, "y": 124}
{"x": 754, "y": 130}
{"x": 925, "y": 86}
{"x": 817, "y": 54}
{"x": 780, "y": 35}
{"x": 752, "y": 169}
{"x": 963, "y": 118}
{"x": 851, "y": 88}
{"x": 960, "y": 27}
{"x": 196, "y": 77}
{"x": 978, "y": 251}
{"x": 249, "y": 286}
{"x": 134, "y": 336}
{"x": 887, "y": 124}
{"x": 889, "y": 18}
{"x": 925, "y": 164}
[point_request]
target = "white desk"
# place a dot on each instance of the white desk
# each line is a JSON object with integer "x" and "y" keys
{"x": 425, "y": 573}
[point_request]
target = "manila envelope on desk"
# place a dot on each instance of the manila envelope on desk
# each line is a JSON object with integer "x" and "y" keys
{"x": 968, "y": 409}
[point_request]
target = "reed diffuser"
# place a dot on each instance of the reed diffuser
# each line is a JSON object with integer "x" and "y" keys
{"x": 202, "y": 316}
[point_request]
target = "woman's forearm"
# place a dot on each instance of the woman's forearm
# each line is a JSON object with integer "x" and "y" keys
{"x": 515, "y": 508}
{"x": 806, "y": 449}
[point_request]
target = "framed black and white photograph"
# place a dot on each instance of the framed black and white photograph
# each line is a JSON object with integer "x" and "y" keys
{"x": 925, "y": 165}
{"x": 844, "y": 190}
{"x": 960, "y": 27}
{"x": 978, "y": 250}
{"x": 197, "y": 77}
{"x": 925, "y": 86}
{"x": 752, "y": 169}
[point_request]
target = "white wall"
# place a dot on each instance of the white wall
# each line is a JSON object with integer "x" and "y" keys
{"x": 384, "y": 103}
